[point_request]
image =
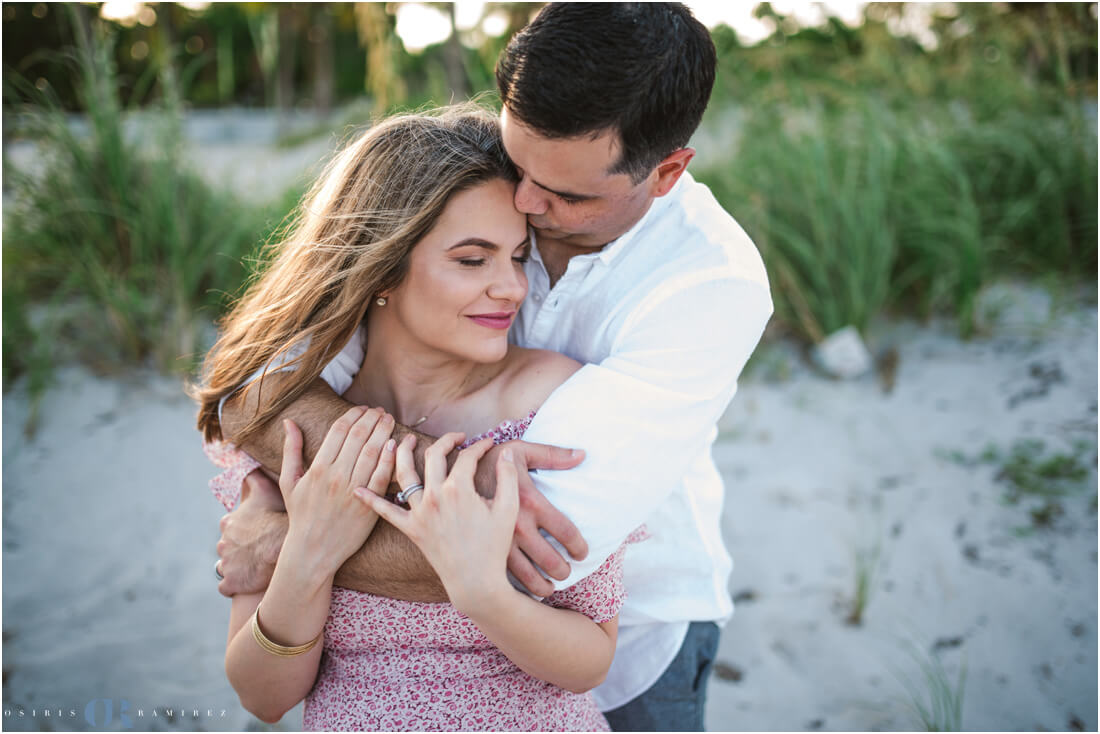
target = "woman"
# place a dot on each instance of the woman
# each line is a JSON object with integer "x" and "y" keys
{"x": 411, "y": 232}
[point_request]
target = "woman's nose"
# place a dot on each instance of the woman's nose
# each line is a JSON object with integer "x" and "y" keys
{"x": 510, "y": 284}
{"x": 529, "y": 198}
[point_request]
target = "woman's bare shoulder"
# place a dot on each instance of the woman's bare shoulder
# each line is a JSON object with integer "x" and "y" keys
{"x": 531, "y": 376}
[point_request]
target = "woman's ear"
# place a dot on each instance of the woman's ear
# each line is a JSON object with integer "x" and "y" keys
{"x": 670, "y": 169}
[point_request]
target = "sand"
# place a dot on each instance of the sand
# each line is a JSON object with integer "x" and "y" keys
{"x": 109, "y": 534}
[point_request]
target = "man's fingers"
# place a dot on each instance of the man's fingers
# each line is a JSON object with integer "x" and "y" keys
{"x": 545, "y": 456}
{"x": 292, "y": 458}
{"x": 526, "y": 574}
{"x": 564, "y": 531}
{"x": 257, "y": 487}
{"x": 542, "y": 554}
{"x": 506, "y": 500}
{"x": 544, "y": 515}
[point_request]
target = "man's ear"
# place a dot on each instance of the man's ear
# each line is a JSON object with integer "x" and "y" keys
{"x": 670, "y": 169}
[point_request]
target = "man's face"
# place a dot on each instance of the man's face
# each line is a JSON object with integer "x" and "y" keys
{"x": 565, "y": 188}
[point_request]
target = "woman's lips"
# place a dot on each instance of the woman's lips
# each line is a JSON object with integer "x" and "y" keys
{"x": 493, "y": 320}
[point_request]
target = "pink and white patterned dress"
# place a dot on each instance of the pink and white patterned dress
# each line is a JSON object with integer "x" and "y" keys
{"x": 392, "y": 665}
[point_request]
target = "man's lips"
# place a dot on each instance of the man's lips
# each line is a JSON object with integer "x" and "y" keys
{"x": 501, "y": 320}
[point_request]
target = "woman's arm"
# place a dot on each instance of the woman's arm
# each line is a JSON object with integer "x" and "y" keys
{"x": 269, "y": 685}
{"x": 467, "y": 539}
{"x": 327, "y": 525}
{"x": 390, "y": 565}
{"x": 559, "y": 646}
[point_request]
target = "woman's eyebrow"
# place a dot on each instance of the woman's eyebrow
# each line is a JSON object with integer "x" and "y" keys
{"x": 476, "y": 242}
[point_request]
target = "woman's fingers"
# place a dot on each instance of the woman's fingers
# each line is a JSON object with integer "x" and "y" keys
{"x": 383, "y": 472}
{"x": 291, "y": 470}
{"x": 405, "y": 471}
{"x": 371, "y": 451}
{"x": 466, "y": 464}
{"x": 435, "y": 458}
{"x": 357, "y": 437}
{"x": 334, "y": 439}
{"x": 399, "y": 517}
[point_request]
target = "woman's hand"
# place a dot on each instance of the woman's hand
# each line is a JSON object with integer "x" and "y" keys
{"x": 465, "y": 537}
{"x": 327, "y": 522}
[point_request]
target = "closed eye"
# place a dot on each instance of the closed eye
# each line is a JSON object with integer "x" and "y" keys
{"x": 523, "y": 252}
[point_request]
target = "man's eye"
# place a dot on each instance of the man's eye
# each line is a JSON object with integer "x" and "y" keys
{"x": 569, "y": 199}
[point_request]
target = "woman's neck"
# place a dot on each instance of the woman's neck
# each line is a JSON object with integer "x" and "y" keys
{"x": 411, "y": 381}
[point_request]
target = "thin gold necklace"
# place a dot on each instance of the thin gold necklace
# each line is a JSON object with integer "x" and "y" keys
{"x": 431, "y": 412}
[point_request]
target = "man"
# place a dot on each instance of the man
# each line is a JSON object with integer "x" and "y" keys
{"x": 640, "y": 275}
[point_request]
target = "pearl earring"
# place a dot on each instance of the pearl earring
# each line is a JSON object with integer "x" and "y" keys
{"x": 381, "y": 300}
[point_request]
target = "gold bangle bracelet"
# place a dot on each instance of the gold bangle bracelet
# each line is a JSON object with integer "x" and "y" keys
{"x": 275, "y": 648}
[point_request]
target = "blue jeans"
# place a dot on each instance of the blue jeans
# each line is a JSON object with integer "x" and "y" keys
{"x": 676, "y": 702}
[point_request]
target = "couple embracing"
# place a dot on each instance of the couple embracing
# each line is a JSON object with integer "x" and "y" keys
{"x": 460, "y": 297}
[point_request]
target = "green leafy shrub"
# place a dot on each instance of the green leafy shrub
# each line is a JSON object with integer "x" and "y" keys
{"x": 133, "y": 250}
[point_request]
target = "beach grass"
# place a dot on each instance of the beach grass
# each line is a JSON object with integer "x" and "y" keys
{"x": 866, "y": 208}
{"x": 866, "y": 567}
{"x": 133, "y": 251}
{"x": 865, "y": 195}
{"x": 936, "y": 697}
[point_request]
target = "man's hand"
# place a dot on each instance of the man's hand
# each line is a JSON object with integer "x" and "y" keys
{"x": 252, "y": 536}
{"x": 529, "y": 547}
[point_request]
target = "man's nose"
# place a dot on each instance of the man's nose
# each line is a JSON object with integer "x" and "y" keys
{"x": 529, "y": 198}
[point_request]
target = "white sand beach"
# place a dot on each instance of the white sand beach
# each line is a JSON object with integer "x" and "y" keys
{"x": 109, "y": 536}
{"x": 902, "y": 478}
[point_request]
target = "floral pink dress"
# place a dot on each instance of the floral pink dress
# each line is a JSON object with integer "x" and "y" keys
{"x": 391, "y": 665}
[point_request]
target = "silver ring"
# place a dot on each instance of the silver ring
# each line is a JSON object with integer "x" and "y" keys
{"x": 403, "y": 495}
{"x": 217, "y": 571}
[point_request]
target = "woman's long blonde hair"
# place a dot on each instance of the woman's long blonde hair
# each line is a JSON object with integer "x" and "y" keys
{"x": 350, "y": 240}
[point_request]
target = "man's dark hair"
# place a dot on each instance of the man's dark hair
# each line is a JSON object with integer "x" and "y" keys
{"x": 644, "y": 70}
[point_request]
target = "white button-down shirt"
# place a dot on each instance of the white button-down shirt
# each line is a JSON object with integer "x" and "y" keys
{"x": 663, "y": 320}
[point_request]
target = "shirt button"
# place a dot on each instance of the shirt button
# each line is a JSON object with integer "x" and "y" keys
{"x": 538, "y": 299}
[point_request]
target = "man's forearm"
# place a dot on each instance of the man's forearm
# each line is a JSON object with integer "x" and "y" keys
{"x": 388, "y": 564}
{"x": 313, "y": 412}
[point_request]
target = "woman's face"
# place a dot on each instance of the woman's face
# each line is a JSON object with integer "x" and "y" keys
{"x": 465, "y": 281}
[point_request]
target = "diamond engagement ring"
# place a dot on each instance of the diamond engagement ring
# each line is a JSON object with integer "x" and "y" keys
{"x": 403, "y": 495}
